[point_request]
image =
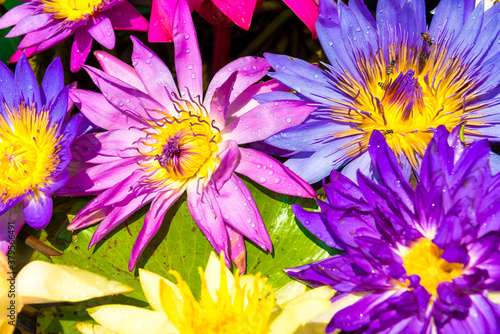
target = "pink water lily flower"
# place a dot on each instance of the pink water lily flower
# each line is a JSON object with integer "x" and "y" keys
{"x": 240, "y": 12}
{"x": 48, "y": 22}
{"x": 160, "y": 142}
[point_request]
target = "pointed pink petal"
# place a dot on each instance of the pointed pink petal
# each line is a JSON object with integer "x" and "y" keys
{"x": 17, "y": 14}
{"x": 46, "y": 37}
{"x": 187, "y": 53}
{"x": 160, "y": 25}
{"x": 241, "y": 213}
{"x": 271, "y": 174}
{"x": 267, "y": 119}
{"x": 229, "y": 158}
{"x": 220, "y": 102}
{"x": 117, "y": 68}
{"x": 28, "y": 24}
{"x": 152, "y": 223}
{"x": 82, "y": 43}
{"x": 307, "y": 11}
{"x": 206, "y": 213}
{"x": 98, "y": 110}
{"x": 101, "y": 29}
{"x": 154, "y": 74}
{"x": 122, "y": 96}
{"x": 10, "y": 224}
{"x": 100, "y": 177}
{"x": 245, "y": 101}
{"x": 28, "y": 52}
{"x": 238, "y": 252}
{"x": 106, "y": 146}
{"x": 124, "y": 16}
{"x": 119, "y": 212}
{"x": 240, "y": 12}
{"x": 250, "y": 70}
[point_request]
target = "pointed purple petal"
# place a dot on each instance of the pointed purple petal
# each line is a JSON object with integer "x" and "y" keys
{"x": 152, "y": 223}
{"x": 154, "y": 74}
{"x": 220, "y": 102}
{"x": 10, "y": 224}
{"x": 249, "y": 71}
{"x": 240, "y": 211}
{"x": 117, "y": 68}
{"x": 16, "y": 14}
{"x": 53, "y": 81}
{"x": 229, "y": 157}
{"x": 206, "y": 213}
{"x": 271, "y": 174}
{"x": 98, "y": 110}
{"x": 101, "y": 29}
{"x": 26, "y": 84}
{"x": 187, "y": 53}
{"x": 82, "y": 43}
{"x": 30, "y": 23}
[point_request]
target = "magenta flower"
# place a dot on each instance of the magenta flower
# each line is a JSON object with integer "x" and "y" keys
{"x": 48, "y": 22}
{"x": 240, "y": 12}
{"x": 161, "y": 141}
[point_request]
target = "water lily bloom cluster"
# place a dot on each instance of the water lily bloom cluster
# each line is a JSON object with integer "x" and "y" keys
{"x": 395, "y": 75}
{"x": 42, "y": 282}
{"x": 46, "y": 23}
{"x": 161, "y": 142}
{"x": 421, "y": 261}
{"x": 35, "y": 136}
{"x": 229, "y": 304}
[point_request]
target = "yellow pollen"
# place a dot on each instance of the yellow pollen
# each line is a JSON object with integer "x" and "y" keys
{"x": 73, "y": 10}
{"x": 405, "y": 95}
{"x": 181, "y": 148}
{"x": 245, "y": 308}
{"x": 28, "y": 152}
{"x": 424, "y": 260}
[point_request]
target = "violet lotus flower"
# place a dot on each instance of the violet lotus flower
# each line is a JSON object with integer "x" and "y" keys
{"x": 240, "y": 12}
{"x": 416, "y": 261}
{"x": 161, "y": 142}
{"x": 46, "y": 23}
{"x": 35, "y": 135}
{"x": 395, "y": 75}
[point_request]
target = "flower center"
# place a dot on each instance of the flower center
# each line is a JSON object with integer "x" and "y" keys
{"x": 73, "y": 10}
{"x": 245, "y": 308}
{"x": 405, "y": 93}
{"x": 28, "y": 149}
{"x": 182, "y": 147}
{"x": 424, "y": 260}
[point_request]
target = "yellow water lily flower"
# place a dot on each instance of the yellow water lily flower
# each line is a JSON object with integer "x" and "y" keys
{"x": 229, "y": 304}
{"x": 43, "y": 282}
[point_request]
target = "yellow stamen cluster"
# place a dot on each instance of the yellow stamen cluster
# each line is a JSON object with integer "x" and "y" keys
{"x": 73, "y": 10}
{"x": 28, "y": 151}
{"x": 246, "y": 309}
{"x": 424, "y": 260}
{"x": 182, "y": 147}
{"x": 405, "y": 109}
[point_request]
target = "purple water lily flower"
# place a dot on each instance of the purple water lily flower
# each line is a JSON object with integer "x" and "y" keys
{"x": 394, "y": 75}
{"x": 416, "y": 261}
{"x": 35, "y": 135}
{"x": 48, "y": 22}
{"x": 161, "y": 141}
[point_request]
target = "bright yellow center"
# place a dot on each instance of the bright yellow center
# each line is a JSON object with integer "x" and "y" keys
{"x": 72, "y": 10}
{"x": 405, "y": 97}
{"x": 424, "y": 260}
{"x": 28, "y": 152}
{"x": 182, "y": 147}
{"x": 244, "y": 309}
